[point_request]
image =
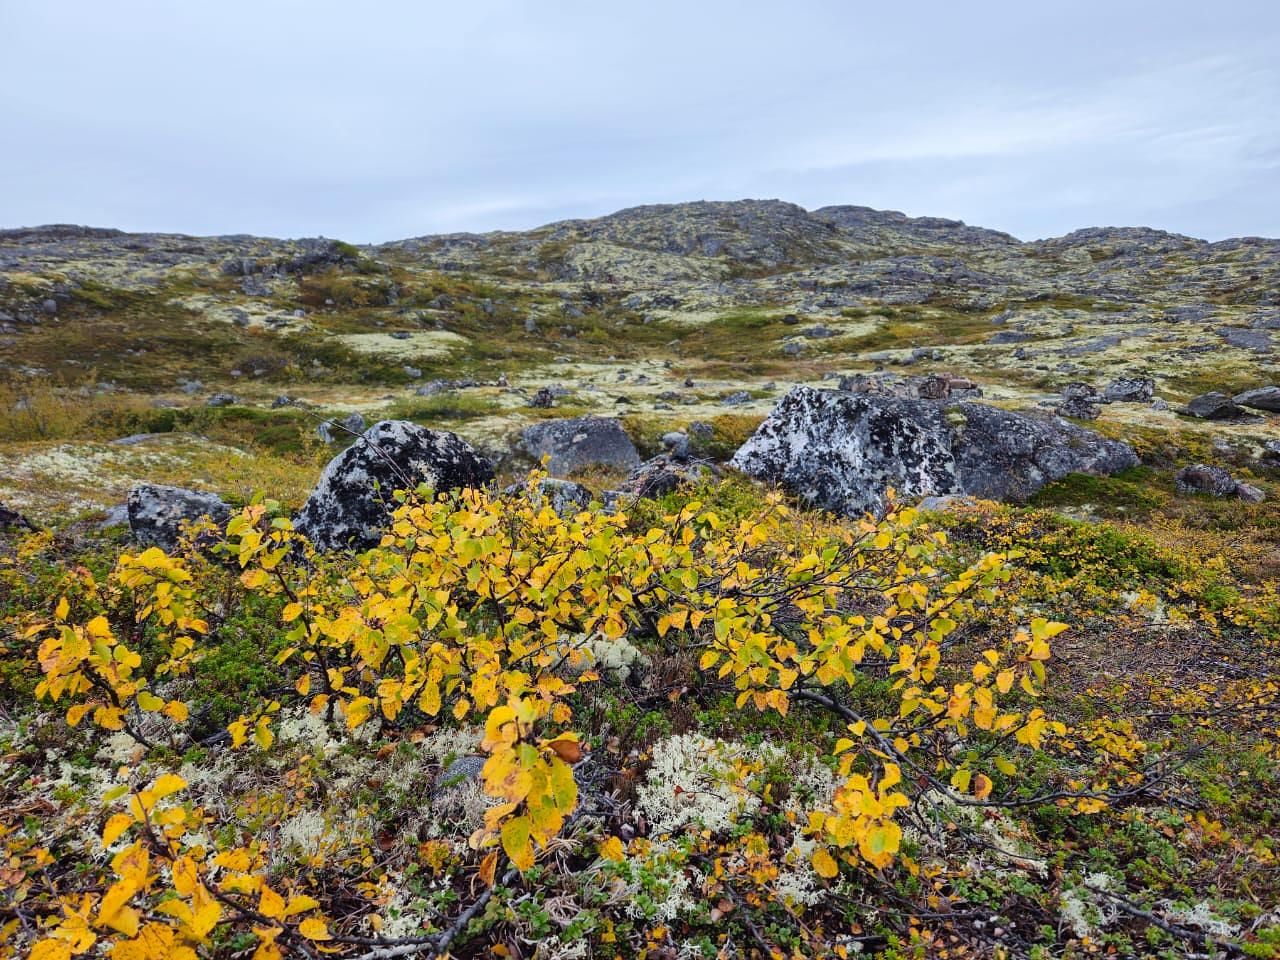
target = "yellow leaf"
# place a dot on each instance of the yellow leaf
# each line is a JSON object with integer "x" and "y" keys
{"x": 262, "y": 734}
{"x": 149, "y": 701}
{"x": 824, "y": 864}
{"x": 300, "y": 904}
{"x": 313, "y": 928}
{"x": 116, "y": 825}
{"x": 612, "y": 849}
{"x": 62, "y": 609}
{"x": 516, "y": 842}
{"x": 270, "y": 903}
{"x": 177, "y": 710}
{"x": 166, "y": 784}
{"x": 960, "y": 780}
{"x": 205, "y": 913}
{"x": 76, "y": 714}
{"x": 982, "y": 786}
{"x": 51, "y": 949}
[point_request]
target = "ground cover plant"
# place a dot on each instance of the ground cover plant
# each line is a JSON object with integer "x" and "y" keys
{"x": 714, "y": 725}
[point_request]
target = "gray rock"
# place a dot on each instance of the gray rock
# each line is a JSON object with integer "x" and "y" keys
{"x": 793, "y": 348}
{"x": 946, "y": 502}
{"x": 50, "y": 306}
{"x": 842, "y": 451}
{"x": 117, "y": 516}
{"x": 1263, "y": 398}
{"x": 351, "y": 503}
{"x": 1130, "y": 390}
{"x": 350, "y": 425}
{"x": 1010, "y": 336}
{"x": 1078, "y": 408}
{"x": 1200, "y": 478}
{"x": 676, "y": 444}
{"x": 543, "y": 399}
{"x": 1257, "y": 341}
{"x": 819, "y": 331}
{"x": 564, "y": 497}
{"x": 1249, "y": 493}
{"x": 663, "y": 474}
{"x": 1213, "y": 406}
{"x": 736, "y": 398}
{"x": 157, "y": 513}
{"x": 413, "y": 373}
{"x": 222, "y": 400}
{"x": 580, "y": 442}
{"x": 134, "y": 439}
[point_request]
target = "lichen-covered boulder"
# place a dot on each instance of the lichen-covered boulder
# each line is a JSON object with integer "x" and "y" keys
{"x": 843, "y": 451}
{"x": 1263, "y": 398}
{"x": 157, "y": 513}
{"x": 1213, "y": 406}
{"x": 352, "y": 502}
{"x": 1130, "y": 390}
{"x": 1002, "y": 455}
{"x": 581, "y": 442}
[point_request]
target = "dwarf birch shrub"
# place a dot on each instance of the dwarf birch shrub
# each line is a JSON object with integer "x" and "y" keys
{"x": 480, "y": 608}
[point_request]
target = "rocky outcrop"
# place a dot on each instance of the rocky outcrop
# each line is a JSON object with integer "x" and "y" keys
{"x": 350, "y": 505}
{"x": 843, "y": 451}
{"x": 579, "y": 443}
{"x": 158, "y": 513}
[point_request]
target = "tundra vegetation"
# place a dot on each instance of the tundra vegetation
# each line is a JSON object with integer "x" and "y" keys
{"x": 711, "y": 723}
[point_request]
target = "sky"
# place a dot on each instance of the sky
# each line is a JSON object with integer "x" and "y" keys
{"x": 382, "y": 119}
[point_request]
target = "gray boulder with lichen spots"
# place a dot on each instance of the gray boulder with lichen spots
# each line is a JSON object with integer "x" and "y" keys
{"x": 352, "y": 503}
{"x": 157, "y": 513}
{"x": 581, "y": 442}
{"x": 843, "y": 451}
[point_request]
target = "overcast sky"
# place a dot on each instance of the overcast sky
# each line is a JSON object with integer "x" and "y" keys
{"x": 375, "y": 120}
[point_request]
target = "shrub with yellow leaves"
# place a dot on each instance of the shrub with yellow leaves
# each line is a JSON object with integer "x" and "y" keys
{"x": 477, "y": 604}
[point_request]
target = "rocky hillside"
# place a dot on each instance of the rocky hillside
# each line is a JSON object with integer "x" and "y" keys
{"x": 792, "y": 584}
{"x": 667, "y": 315}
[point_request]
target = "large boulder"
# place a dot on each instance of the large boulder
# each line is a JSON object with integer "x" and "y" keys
{"x": 843, "y": 451}
{"x": 351, "y": 504}
{"x": 1263, "y": 398}
{"x": 1213, "y": 406}
{"x": 581, "y": 442}
{"x": 157, "y": 513}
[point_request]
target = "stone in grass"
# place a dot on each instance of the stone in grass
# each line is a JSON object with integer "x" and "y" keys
{"x": 1202, "y": 478}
